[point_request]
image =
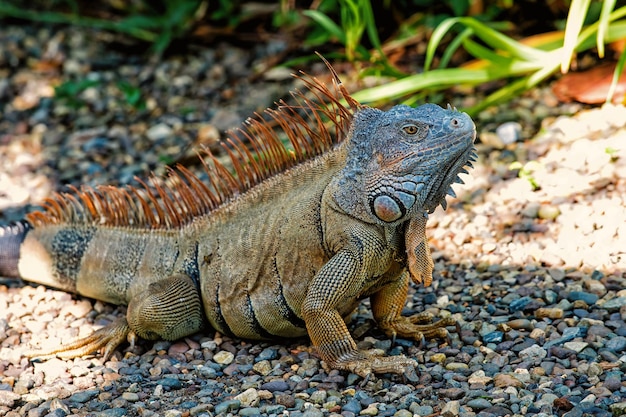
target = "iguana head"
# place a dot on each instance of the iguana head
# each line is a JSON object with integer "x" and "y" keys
{"x": 405, "y": 160}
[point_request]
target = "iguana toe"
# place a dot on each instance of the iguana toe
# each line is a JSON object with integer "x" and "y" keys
{"x": 107, "y": 338}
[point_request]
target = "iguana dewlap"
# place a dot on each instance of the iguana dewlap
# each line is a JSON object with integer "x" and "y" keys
{"x": 285, "y": 245}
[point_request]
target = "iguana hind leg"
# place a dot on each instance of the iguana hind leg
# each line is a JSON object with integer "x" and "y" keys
{"x": 167, "y": 309}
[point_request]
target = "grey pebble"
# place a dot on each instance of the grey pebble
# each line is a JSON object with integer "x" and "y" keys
{"x": 493, "y": 337}
{"x": 274, "y": 386}
{"x": 614, "y": 304}
{"x": 421, "y": 410}
{"x": 616, "y": 344}
{"x": 84, "y": 396}
{"x": 478, "y": 403}
{"x": 226, "y": 406}
{"x": 249, "y": 412}
{"x": 352, "y": 406}
{"x": 452, "y": 393}
{"x": 312, "y": 412}
{"x": 613, "y": 383}
{"x": 587, "y": 297}
{"x": 286, "y": 400}
{"x": 113, "y": 412}
{"x": 171, "y": 383}
{"x": 509, "y": 132}
{"x": 8, "y": 398}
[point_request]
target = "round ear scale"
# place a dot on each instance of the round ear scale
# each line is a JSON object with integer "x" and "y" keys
{"x": 387, "y": 208}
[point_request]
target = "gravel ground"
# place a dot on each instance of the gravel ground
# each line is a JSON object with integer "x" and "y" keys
{"x": 530, "y": 258}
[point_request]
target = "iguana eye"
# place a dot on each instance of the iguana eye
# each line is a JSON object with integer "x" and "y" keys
{"x": 410, "y": 129}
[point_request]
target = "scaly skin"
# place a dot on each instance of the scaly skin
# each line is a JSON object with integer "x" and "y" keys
{"x": 289, "y": 256}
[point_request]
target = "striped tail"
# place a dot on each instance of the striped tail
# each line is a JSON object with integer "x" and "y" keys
{"x": 11, "y": 238}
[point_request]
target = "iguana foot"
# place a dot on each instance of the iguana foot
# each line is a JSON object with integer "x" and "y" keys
{"x": 107, "y": 338}
{"x": 366, "y": 363}
{"x": 418, "y": 327}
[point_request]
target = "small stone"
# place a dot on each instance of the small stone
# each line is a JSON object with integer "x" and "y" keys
{"x": 506, "y": 380}
{"x": 478, "y": 404}
{"x": 519, "y": 304}
{"x": 248, "y": 398}
{"x": 312, "y": 412}
{"x": 456, "y": 366}
{"x": 438, "y": 358}
{"x": 226, "y": 406}
{"x": 595, "y": 287}
{"x": 249, "y": 412}
{"x": 616, "y": 344}
{"x": 223, "y": 357}
{"x": 534, "y": 352}
{"x": 170, "y": 383}
{"x": 371, "y": 410}
{"x": 273, "y": 386}
{"x": 287, "y": 400}
{"x": 130, "y": 396}
{"x": 352, "y": 406}
{"x": 613, "y": 383}
{"x": 158, "y": 132}
{"x": 403, "y": 413}
{"x": 587, "y": 297}
{"x": 452, "y": 393}
{"x": 493, "y": 337}
{"x": 451, "y": 409}
{"x": 318, "y": 397}
{"x": 421, "y": 410}
{"x": 550, "y": 313}
{"x": 618, "y": 409}
{"x": 546, "y": 399}
{"x": 479, "y": 377}
{"x": 520, "y": 324}
{"x": 575, "y": 346}
{"x": 263, "y": 367}
{"x": 614, "y": 304}
{"x": 84, "y": 396}
{"x": 548, "y": 212}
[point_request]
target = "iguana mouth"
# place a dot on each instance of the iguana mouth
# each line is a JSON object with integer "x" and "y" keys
{"x": 442, "y": 185}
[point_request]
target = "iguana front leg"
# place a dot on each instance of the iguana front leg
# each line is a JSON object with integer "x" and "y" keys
{"x": 167, "y": 309}
{"x": 387, "y": 306}
{"x": 337, "y": 284}
{"x": 419, "y": 261}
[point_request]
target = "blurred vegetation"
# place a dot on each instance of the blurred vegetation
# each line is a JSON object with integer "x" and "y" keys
{"x": 418, "y": 47}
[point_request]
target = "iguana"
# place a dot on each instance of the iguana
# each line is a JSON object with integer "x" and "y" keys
{"x": 283, "y": 244}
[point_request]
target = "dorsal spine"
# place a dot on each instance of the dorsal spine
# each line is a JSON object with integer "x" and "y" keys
{"x": 313, "y": 125}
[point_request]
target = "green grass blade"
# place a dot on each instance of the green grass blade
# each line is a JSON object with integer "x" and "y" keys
{"x": 575, "y": 19}
{"x": 603, "y": 24}
{"x": 619, "y": 69}
{"x": 499, "y": 41}
{"x": 615, "y": 30}
{"x": 454, "y": 45}
{"x": 514, "y": 89}
{"x": 435, "y": 40}
{"x": 439, "y": 79}
{"x": 77, "y": 20}
{"x": 327, "y": 23}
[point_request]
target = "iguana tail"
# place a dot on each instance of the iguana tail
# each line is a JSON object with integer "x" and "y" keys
{"x": 11, "y": 238}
